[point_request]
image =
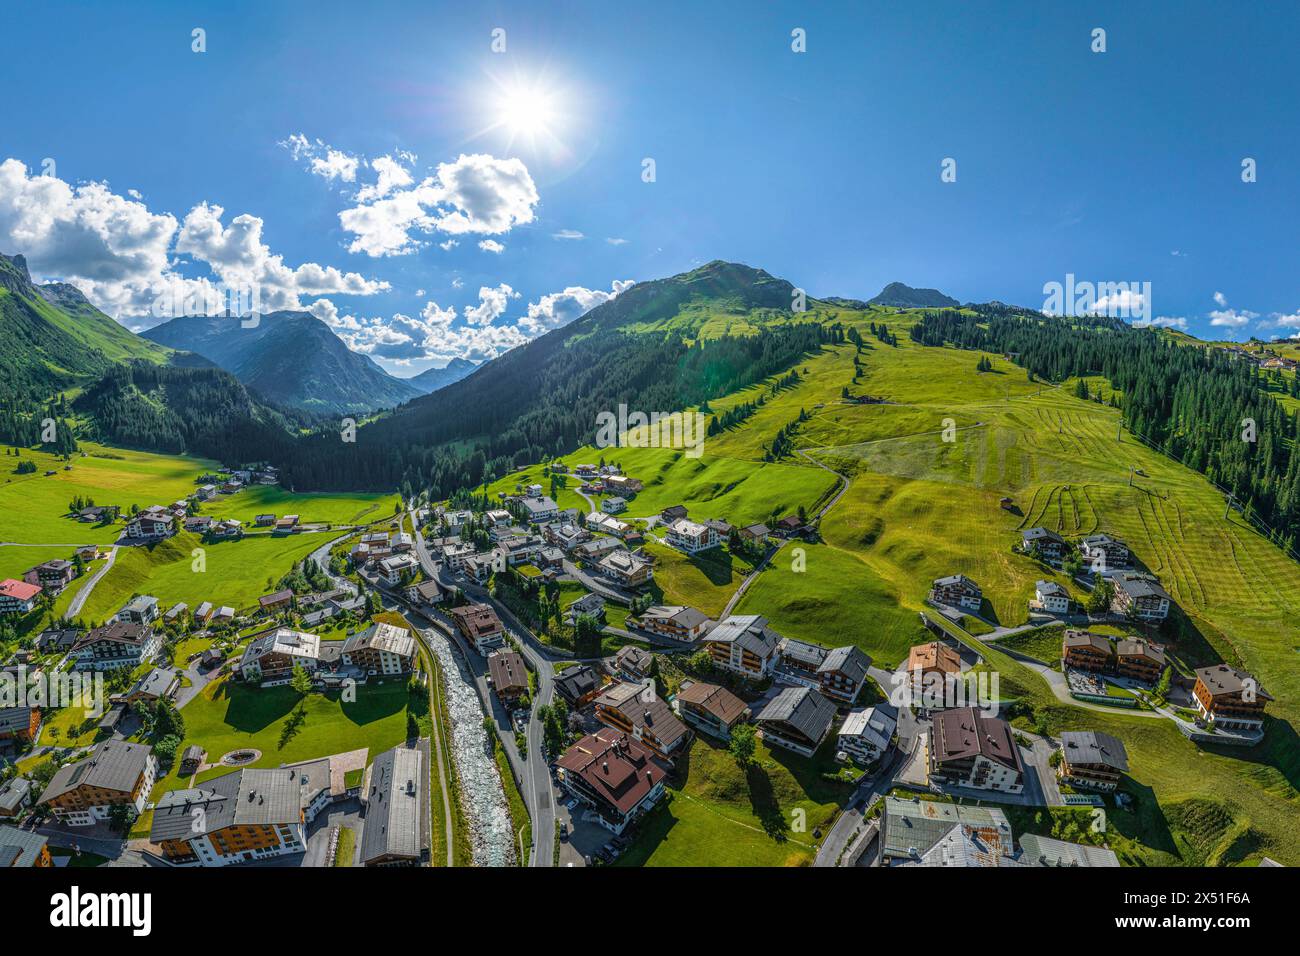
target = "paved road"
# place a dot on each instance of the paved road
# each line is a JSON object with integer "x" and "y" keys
{"x": 322, "y": 558}
{"x": 79, "y": 600}
{"x": 538, "y": 792}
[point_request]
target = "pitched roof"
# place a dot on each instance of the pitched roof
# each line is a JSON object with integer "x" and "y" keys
{"x": 965, "y": 732}
{"x": 18, "y": 590}
{"x": 1222, "y": 679}
{"x": 645, "y": 710}
{"x": 935, "y": 654}
{"x": 382, "y": 637}
{"x": 1041, "y": 534}
{"x": 1094, "y": 747}
{"x": 634, "y": 658}
{"x": 750, "y": 631}
{"x": 954, "y": 580}
{"x": 681, "y": 615}
{"x": 507, "y": 670}
{"x": 247, "y": 797}
{"x": 283, "y": 640}
{"x": 876, "y": 724}
{"x": 615, "y": 766}
{"x": 1135, "y": 648}
{"x": 1050, "y": 588}
{"x": 917, "y": 825}
{"x": 714, "y": 700}
{"x": 113, "y": 765}
{"x": 801, "y": 708}
{"x": 279, "y": 597}
{"x": 20, "y": 848}
{"x": 1048, "y": 851}
{"x": 1137, "y": 586}
{"x": 576, "y": 682}
{"x": 1075, "y": 638}
{"x": 849, "y": 660}
{"x": 397, "y": 816}
{"x": 477, "y": 619}
{"x": 120, "y": 632}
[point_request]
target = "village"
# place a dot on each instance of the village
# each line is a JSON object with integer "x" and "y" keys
{"x": 595, "y": 691}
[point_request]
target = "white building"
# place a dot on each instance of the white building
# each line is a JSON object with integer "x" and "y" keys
{"x": 866, "y": 733}
{"x": 691, "y": 537}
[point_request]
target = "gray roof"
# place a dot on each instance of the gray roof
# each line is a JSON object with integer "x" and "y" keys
{"x": 750, "y": 631}
{"x": 578, "y": 681}
{"x": 809, "y": 654}
{"x": 155, "y": 683}
{"x": 397, "y": 807}
{"x": 248, "y": 797}
{"x": 849, "y": 660}
{"x": 1046, "y": 851}
{"x": 918, "y": 824}
{"x": 801, "y": 708}
{"x": 1049, "y": 588}
{"x": 1136, "y": 586}
{"x": 1041, "y": 534}
{"x": 113, "y": 765}
{"x": 20, "y": 847}
{"x": 15, "y": 718}
{"x": 1094, "y": 747}
{"x": 140, "y": 604}
{"x": 382, "y": 637}
{"x": 681, "y": 615}
{"x": 14, "y": 794}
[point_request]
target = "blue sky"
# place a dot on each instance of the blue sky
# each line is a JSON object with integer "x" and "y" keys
{"x": 822, "y": 167}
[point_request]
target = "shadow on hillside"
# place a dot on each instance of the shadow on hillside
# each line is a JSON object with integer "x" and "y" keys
{"x": 1279, "y": 750}
{"x": 1145, "y": 823}
{"x": 717, "y": 568}
{"x": 762, "y": 800}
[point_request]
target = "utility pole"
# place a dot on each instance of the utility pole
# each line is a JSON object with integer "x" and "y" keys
{"x": 1130, "y": 476}
{"x": 1228, "y": 505}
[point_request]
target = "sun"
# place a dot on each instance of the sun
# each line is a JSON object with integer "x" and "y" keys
{"x": 532, "y": 113}
{"x": 527, "y": 111}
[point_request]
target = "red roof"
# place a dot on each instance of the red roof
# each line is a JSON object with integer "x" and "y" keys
{"x": 20, "y": 590}
{"x": 615, "y": 766}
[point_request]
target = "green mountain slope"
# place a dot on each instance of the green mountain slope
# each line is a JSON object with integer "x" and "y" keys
{"x": 291, "y": 358}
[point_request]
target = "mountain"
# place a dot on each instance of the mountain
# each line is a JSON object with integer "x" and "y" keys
{"x": 432, "y": 379}
{"x": 292, "y": 359}
{"x": 54, "y": 337}
{"x": 899, "y": 296}
{"x": 663, "y": 345}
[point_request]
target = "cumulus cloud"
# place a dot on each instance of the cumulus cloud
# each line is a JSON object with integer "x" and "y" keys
{"x": 1220, "y": 299}
{"x": 474, "y": 194}
{"x": 1225, "y": 317}
{"x": 491, "y": 245}
{"x": 438, "y": 334}
{"x": 322, "y": 159}
{"x": 615, "y": 241}
{"x": 123, "y": 256}
{"x": 1162, "y": 321}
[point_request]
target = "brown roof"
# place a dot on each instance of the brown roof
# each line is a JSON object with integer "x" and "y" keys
{"x": 1221, "y": 679}
{"x": 936, "y": 654}
{"x": 476, "y": 619}
{"x": 1074, "y": 638}
{"x": 717, "y": 701}
{"x": 1152, "y": 652}
{"x": 644, "y": 710}
{"x": 279, "y": 597}
{"x": 507, "y": 671}
{"x": 965, "y": 732}
{"x": 616, "y": 766}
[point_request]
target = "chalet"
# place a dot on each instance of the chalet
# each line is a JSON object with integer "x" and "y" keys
{"x": 566, "y": 536}
{"x": 57, "y": 640}
{"x": 497, "y": 516}
{"x": 626, "y": 569}
{"x": 15, "y": 796}
{"x": 264, "y": 520}
{"x": 672, "y": 513}
{"x": 286, "y": 523}
{"x": 755, "y": 535}
{"x": 158, "y": 684}
{"x": 396, "y": 798}
{"x": 710, "y": 708}
{"x": 203, "y": 613}
{"x": 634, "y": 708}
{"x": 455, "y": 555}
{"x": 723, "y": 528}
{"x": 1140, "y": 597}
{"x": 549, "y": 559}
{"x": 540, "y": 509}
{"x": 593, "y": 551}
{"x": 479, "y": 568}
{"x": 968, "y": 749}
{"x": 114, "y": 645}
{"x": 1050, "y": 597}
{"x": 675, "y": 621}
{"x": 18, "y": 597}
{"x": 427, "y": 593}
{"x": 198, "y": 524}
{"x": 1091, "y": 759}
{"x": 396, "y": 568}
{"x": 691, "y": 537}
{"x": 744, "y": 645}
{"x": 585, "y": 471}
{"x": 520, "y": 549}
{"x": 89, "y": 552}
{"x": 1139, "y": 660}
{"x": 273, "y": 603}
{"x": 239, "y": 817}
{"x": 401, "y": 541}
{"x": 231, "y": 486}
{"x": 613, "y": 506}
{"x": 141, "y": 609}
{"x": 1047, "y": 544}
{"x": 916, "y": 832}
{"x": 20, "y": 723}
{"x": 381, "y": 649}
{"x": 789, "y": 526}
{"x": 590, "y": 605}
{"x": 227, "y": 529}
{"x": 866, "y": 733}
{"x": 93, "y": 513}
{"x": 935, "y": 657}
{"x": 798, "y": 661}
{"x": 608, "y": 524}
{"x": 509, "y": 676}
{"x": 154, "y": 522}
{"x": 957, "y": 590}
{"x": 842, "y": 674}
{"x": 480, "y": 627}
{"x": 24, "y": 849}
{"x": 624, "y": 484}
{"x": 633, "y": 663}
{"x": 272, "y": 655}
{"x": 116, "y": 773}
{"x": 1085, "y": 651}
{"x": 579, "y": 685}
{"x": 223, "y": 615}
{"x": 613, "y": 774}
{"x": 798, "y": 719}
{"x": 1101, "y": 551}
{"x": 206, "y": 492}
{"x": 53, "y": 576}
{"x": 1231, "y": 698}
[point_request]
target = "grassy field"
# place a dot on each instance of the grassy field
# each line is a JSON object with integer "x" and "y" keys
{"x": 1040, "y": 643}
{"x": 705, "y": 581}
{"x": 236, "y": 572}
{"x": 724, "y": 816}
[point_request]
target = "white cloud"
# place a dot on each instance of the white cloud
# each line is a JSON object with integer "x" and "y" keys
{"x": 491, "y": 306}
{"x": 448, "y": 245}
{"x": 567, "y": 234}
{"x": 616, "y": 241}
{"x": 1178, "y": 252}
{"x": 560, "y": 308}
{"x": 324, "y": 160}
{"x": 1122, "y": 302}
{"x": 476, "y": 193}
{"x": 1162, "y": 321}
{"x": 491, "y": 245}
{"x": 1225, "y": 317}
{"x": 1220, "y": 299}
{"x": 122, "y": 255}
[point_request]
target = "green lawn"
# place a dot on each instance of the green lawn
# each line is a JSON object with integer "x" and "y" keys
{"x": 1040, "y": 643}
{"x": 705, "y": 580}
